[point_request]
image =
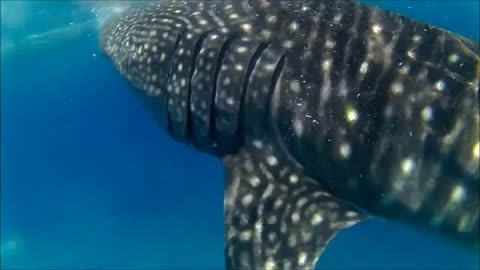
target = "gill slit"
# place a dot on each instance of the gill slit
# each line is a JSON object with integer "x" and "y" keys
{"x": 275, "y": 77}
{"x": 221, "y": 56}
{"x": 251, "y": 66}
{"x": 198, "y": 47}
{"x": 174, "y": 51}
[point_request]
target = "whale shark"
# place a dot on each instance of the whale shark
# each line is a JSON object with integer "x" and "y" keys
{"x": 325, "y": 113}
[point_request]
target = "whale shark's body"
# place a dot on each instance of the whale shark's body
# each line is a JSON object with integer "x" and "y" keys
{"x": 324, "y": 112}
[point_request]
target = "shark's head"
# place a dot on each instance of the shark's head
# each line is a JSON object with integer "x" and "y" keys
{"x": 142, "y": 53}
{"x": 128, "y": 47}
{"x": 174, "y": 56}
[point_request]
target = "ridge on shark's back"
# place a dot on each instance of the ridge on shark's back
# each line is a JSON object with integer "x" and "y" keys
{"x": 324, "y": 113}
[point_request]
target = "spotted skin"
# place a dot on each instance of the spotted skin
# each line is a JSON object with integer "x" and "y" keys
{"x": 276, "y": 217}
{"x": 322, "y": 111}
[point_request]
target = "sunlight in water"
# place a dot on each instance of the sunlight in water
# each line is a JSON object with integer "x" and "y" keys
{"x": 102, "y": 10}
{"x": 33, "y": 27}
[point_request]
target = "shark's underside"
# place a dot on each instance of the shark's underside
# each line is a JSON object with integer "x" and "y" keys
{"x": 324, "y": 112}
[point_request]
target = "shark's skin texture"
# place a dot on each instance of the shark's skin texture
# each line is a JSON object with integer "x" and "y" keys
{"x": 324, "y": 112}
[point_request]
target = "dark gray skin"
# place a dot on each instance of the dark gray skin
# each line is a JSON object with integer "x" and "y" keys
{"x": 324, "y": 113}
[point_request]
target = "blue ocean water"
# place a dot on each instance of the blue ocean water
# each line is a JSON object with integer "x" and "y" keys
{"x": 88, "y": 180}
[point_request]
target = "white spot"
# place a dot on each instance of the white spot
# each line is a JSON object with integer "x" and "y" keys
{"x": 272, "y": 160}
{"x": 298, "y": 127}
{"x": 352, "y": 115}
{"x": 302, "y": 258}
{"x": 439, "y": 85}
{"x": 292, "y": 240}
{"x": 266, "y": 34}
{"x": 154, "y": 48}
{"x": 270, "y": 264}
{"x": 404, "y": 70}
{"x": 233, "y": 16}
{"x": 272, "y": 220}
{"x": 293, "y": 178}
{"x": 453, "y": 58}
{"x": 376, "y": 28}
{"x": 295, "y": 86}
{"x": 162, "y": 57}
{"x": 272, "y": 236}
{"x": 268, "y": 192}
{"x": 278, "y": 203}
{"x": 476, "y": 150}
{"x": 316, "y": 219}
{"x": 180, "y": 67}
{"x": 224, "y": 30}
{"x": 183, "y": 82}
{"x": 458, "y": 193}
{"x": 272, "y": 19}
{"x": 427, "y": 113}
{"x": 258, "y": 144}
{"x": 202, "y": 22}
{"x": 337, "y": 17}
{"x": 330, "y": 44}
{"x": 230, "y": 101}
{"x": 254, "y": 181}
{"x": 239, "y": 67}
{"x": 293, "y": 26}
{"x": 247, "y": 199}
{"x": 287, "y": 44}
{"x": 270, "y": 67}
{"x": 245, "y": 235}
{"x": 364, "y": 67}
{"x": 306, "y": 235}
{"x": 153, "y": 33}
{"x": 181, "y": 51}
{"x": 242, "y": 49}
{"x": 407, "y": 166}
{"x": 411, "y": 54}
{"x": 326, "y": 64}
{"x": 345, "y": 150}
{"x": 283, "y": 227}
{"x": 350, "y": 214}
{"x": 226, "y": 81}
{"x": 295, "y": 217}
{"x": 397, "y": 88}
{"x": 246, "y": 27}
{"x": 301, "y": 202}
{"x": 417, "y": 38}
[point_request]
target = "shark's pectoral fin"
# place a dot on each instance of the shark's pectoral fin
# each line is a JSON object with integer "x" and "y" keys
{"x": 276, "y": 218}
